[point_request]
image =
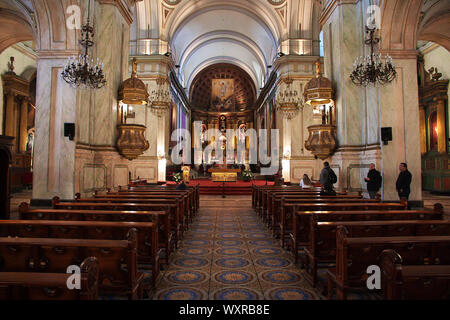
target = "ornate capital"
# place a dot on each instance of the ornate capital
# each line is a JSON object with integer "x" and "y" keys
{"x": 124, "y": 7}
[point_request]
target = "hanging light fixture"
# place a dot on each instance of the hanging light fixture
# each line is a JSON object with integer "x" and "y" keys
{"x": 371, "y": 69}
{"x": 287, "y": 98}
{"x": 160, "y": 99}
{"x": 82, "y": 72}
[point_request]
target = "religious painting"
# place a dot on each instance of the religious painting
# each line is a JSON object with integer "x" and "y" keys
{"x": 222, "y": 95}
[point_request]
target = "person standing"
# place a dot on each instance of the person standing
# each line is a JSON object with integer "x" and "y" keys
{"x": 327, "y": 179}
{"x": 403, "y": 182}
{"x": 373, "y": 181}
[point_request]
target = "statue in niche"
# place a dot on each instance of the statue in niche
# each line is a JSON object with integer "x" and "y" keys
{"x": 242, "y": 131}
{"x": 30, "y": 141}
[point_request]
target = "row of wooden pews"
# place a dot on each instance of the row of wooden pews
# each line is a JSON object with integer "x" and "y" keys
{"x": 119, "y": 239}
{"x": 346, "y": 234}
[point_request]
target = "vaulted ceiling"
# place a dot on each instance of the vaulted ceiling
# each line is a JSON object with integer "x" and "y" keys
{"x": 202, "y": 33}
{"x": 244, "y": 89}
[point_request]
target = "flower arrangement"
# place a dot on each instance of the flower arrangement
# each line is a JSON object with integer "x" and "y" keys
{"x": 247, "y": 175}
{"x": 177, "y": 177}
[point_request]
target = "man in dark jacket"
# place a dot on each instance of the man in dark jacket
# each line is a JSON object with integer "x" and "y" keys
{"x": 373, "y": 181}
{"x": 403, "y": 182}
{"x": 326, "y": 179}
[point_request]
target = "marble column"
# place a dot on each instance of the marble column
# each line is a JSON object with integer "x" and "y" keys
{"x": 54, "y": 154}
{"x": 9, "y": 118}
{"x": 23, "y": 130}
{"x": 399, "y": 105}
{"x": 361, "y": 112}
{"x": 111, "y": 36}
{"x": 343, "y": 37}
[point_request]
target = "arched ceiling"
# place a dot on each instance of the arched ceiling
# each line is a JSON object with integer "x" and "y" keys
{"x": 201, "y": 33}
{"x": 244, "y": 93}
{"x": 434, "y": 22}
{"x": 15, "y": 23}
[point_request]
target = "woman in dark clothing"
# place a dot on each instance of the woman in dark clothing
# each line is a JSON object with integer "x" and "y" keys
{"x": 403, "y": 182}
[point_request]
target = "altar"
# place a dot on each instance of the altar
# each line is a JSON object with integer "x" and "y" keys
{"x": 224, "y": 174}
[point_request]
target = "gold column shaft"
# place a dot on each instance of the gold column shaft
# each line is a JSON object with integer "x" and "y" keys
{"x": 441, "y": 126}
{"x": 423, "y": 131}
{"x": 9, "y": 123}
{"x": 23, "y": 126}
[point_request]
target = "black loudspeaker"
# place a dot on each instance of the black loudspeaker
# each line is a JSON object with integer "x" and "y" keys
{"x": 69, "y": 130}
{"x": 386, "y": 134}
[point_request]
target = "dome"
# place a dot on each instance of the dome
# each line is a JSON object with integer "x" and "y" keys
{"x": 133, "y": 90}
{"x": 318, "y": 90}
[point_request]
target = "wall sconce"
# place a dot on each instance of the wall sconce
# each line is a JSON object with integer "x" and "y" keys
{"x": 161, "y": 155}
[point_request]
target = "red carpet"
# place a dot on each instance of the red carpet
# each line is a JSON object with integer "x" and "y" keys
{"x": 207, "y": 186}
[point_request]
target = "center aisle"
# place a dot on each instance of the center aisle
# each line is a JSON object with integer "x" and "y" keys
{"x": 228, "y": 254}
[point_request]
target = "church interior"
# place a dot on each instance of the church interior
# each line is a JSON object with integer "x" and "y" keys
{"x": 224, "y": 149}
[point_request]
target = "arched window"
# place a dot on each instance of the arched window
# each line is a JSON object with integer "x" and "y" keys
{"x": 321, "y": 42}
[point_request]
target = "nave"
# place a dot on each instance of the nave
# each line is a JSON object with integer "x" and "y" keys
{"x": 228, "y": 254}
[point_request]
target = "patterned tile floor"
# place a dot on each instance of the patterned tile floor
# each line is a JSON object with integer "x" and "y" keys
{"x": 228, "y": 254}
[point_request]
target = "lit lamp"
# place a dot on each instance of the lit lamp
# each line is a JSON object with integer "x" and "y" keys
{"x": 161, "y": 166}
{"x": 322, "y": 137}
{"x": 131, "y": 142}
{"x": 286, "y": 165}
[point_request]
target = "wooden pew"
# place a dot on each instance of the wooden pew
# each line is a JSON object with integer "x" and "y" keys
{"x": 322, "y": 244}
{"x": 159, "y": 199}
{"x": 287, "y": 210}
{"x": 172, "y": 208}
{"x": 354, "y": 255}
{"x": 191, "y": 202}
{"x": 186, "y": 197}
{"x": 117, "y": 260}
{"x": 257, "y": 192}
{"x": 274, "y": 200}
{"x": 268, "y": 194}
{"x": 262, "y": 198}
{"x": 301, "y": 222}
{"x": 147, "y": 236}
{"x": 50, "y": 286}
{"x": 286, "y": 205}
{"x": 411, "y": 282}
{"x": 194, "y": 189}
{"x": 165, "y": 231}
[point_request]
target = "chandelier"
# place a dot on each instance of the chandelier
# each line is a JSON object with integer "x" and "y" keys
{"x": 371, "y": 69}
{"x": 82, "y": 72}
{"x": 160, "y": 99}
{"x": 288, "y": 99}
